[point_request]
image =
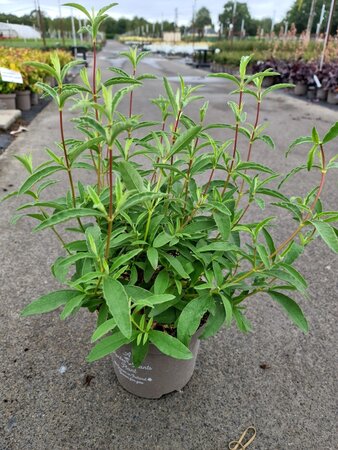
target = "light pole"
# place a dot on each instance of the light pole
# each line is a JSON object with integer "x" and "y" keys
{"x": 328, "y": 29}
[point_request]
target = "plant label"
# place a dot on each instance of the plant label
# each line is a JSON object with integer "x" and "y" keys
{"x": 11, "y": 76}
{"x": 318, "y": 83}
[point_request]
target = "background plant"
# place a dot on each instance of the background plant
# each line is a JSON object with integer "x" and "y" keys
{"x": 157, "y": 253}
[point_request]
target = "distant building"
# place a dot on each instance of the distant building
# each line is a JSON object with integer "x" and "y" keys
{"x": 172, "y": 36}
{"x": 13, "y": 30}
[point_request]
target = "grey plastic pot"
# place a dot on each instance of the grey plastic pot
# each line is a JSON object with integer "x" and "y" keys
{"x": 311, "y": 94}
{"x": 34, "y": 98}
{"x": 321, "y": 94}
{"x": 7, "y": 101}
{"x": 332, "y": 98}
{"x": 23, "y": 100}
{"x": 158, "y": 374}
{"x": 300, "y": 89}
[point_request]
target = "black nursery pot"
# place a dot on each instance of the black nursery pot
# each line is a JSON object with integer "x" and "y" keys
{"x": 158, "y": 375}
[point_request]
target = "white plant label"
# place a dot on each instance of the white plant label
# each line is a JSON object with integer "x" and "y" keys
{"x": 126, "y": 369}
{"x": 318, "y": 83}
{"x": 11, "y": 76}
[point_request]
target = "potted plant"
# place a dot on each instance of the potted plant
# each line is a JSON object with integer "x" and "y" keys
{"x": 301, "y": 75}
{"x": 163, "y": 252}
{"x": 7, "y": 90}
{"x": 330, "y": 84}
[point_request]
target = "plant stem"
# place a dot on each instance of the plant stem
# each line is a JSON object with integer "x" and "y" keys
{"x": 153, "y": 177}
{"x": 110, "y": 217}
{"x": 235, "y": 146}
{"x": 131, "y": 98}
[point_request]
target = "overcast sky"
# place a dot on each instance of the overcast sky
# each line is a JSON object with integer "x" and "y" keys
{"x": 152, "y": 9}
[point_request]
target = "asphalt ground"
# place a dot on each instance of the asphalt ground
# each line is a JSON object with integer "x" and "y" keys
{"x": 276, "y": 378}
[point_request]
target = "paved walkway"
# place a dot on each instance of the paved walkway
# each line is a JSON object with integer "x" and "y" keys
{"x": 275, "y": 378}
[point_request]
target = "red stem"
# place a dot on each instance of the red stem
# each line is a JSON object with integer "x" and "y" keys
{"x": 110, "y": 218}
{"x": 67, "y": 159}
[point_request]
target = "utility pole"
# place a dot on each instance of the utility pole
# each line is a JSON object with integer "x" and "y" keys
{"x": 193, "y": 24}
{"x": 175, "y": 26}
{"x": 61, "y": 25}
{"x": 328, "y": 29}
{"x": 42, "y": 24}
{"x": 74, "y": 35}
{"x": 232, "y": 25}
{"x": 310, "y": 20}
{"x": 319, "y": 25}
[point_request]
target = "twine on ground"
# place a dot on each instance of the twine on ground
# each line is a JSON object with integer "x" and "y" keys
{"x": 239, "y": 445}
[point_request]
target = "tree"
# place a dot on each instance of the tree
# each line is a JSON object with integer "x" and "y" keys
{"x": 202, "y": 19}
{"x": 300, "y": 11}
{"x": 242, "y": 13}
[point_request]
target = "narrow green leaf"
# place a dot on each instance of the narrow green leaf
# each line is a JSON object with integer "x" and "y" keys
{"x": 176, "y": 265}
{"x": 103, "y": 329}
{"x": 72, "y": 304}
{"x": 69, "y": 214}
{"x": 107, "y": 345}
{"x": 39, "y": 175}
{"x": 152, "y": 255}
{"x": 49, "y": 302}
{"x": 118, "y": 304}
{"x": 191, "y": 316}
{"x": 331, "y": 134}
{"x": 263, "y": 254}
{"x": 223, "y": 223}
{"x": 162, "y": 239}
{"x": 130, "y": 176}
{"x": 184, "y": 140}
{"x": 169, "y": 345}
{"x": 327, "y": 233}
{"x": 228, "y": 310}
{"x": 293, "y": 310}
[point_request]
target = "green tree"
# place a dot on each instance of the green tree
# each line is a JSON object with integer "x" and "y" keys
{"x": 299, "y": 15}
{"x": 202, "y": 19}
{"x": 242, "y": 13}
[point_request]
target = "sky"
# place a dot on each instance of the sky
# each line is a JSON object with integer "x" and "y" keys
{"x": 151, "y": 10}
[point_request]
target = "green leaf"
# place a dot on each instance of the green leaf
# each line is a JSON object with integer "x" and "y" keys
{"x": 223, "y": 223}
{"x": 331, "y": 134}
{"x": 80, "y": 8}
{"x": 39, "y": 175}
{"x": 162, "y": 282}
{"x": 69, "y": 214}
{"x": 137, "y": 293}
{"x": 156, "y": 299}
{"x": 241, "y": 321}
{"x": 327, "y": 233}
{"x": 169, "y": 345}
{"x": 107, "y": 345}
{"x": 49, "y": 302}
{"x": 227, "y": 76}
{"x": 152, "y": 255}
{"x": 254, "y": 166}
{"x": 218, "y": 247}
{"x": 274, "y": 87}
{"x": 310, "y": 157}
{"x": 267, "y": 140}
{"x": 139, "y": 352}
{"x": 72, "y": 304}
{"x": 293, "y": 310}
{"x": 171, "y": 95}
{"x": 124, "y": 258}
{"x": 263, "y": 254}
{"x": 103, "y": 329}
{"x": 191, "y": 316}
{"x": 214, "y": 322}
{"x": 118, "y": 304}
{"x": 228, "y": 310}
{"x": 130, "y": 176}
{"x": 162, "y": 239}
{"x": 176, "y": 265}
{"x": 298, "y": 141}
{"x": 184, "y": 140}
{"x": 78, "y": 149}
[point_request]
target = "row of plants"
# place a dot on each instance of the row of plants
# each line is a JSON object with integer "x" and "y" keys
{"x": 21, "y": 96}
{"x": 51, "y": 44}
{"x": 163, "y": 250}
{"x": 230, "y": 52}
{"x": 307, "y": 77}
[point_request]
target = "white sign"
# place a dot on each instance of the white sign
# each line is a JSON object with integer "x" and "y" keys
{"x": 318, "y": 83}
{"x": 11, "y": 76}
